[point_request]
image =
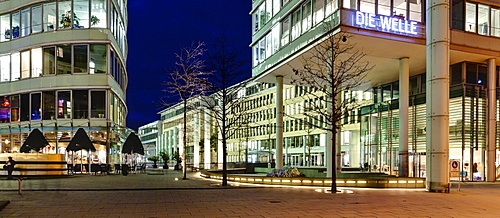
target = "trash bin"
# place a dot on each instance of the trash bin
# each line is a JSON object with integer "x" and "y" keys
{"x": 124, "y": 169}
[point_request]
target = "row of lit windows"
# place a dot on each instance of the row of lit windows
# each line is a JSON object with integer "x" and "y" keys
{"x": 288, "y": 126}
{"x": 51, "y": 16}
{"x": 410, "y": 10}
{"x": 460, "y": 73}
{"x": 50, "y": 105}
{"x": 299, "y": 21}
{"x": 479, "y": 18}
{"x": 269, "y": 8}
{"x": 117, "y": 26}
{"x": 60, "y": 60}
{"x": 468, "y": 16}
{"x": 302, "y": 141}
{"x": 69, "y": 14}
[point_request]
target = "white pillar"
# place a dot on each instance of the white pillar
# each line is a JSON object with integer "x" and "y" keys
{"x": 196, "y": 140}
{"x": 220, "y": 152}
{"x": 491, "y": 122}
{"x": 329, "y": 154}
{"x": 438, "y": 53}
{"x": 354, "y": 149}
{"x": 206, "y": 145}
{"x": 404, "y": 92}
{"x": 279, "y": 122}
{"x": 181, "y": 143}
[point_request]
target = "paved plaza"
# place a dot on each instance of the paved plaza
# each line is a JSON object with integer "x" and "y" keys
{"x": 154, "y": 194}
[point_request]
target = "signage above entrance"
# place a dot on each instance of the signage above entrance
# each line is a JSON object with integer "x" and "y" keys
{"x": 385, "y": 23}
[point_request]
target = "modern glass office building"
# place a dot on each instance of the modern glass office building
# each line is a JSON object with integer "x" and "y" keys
{"x": 434, "y": 111}
{"x": 62, "y": 67}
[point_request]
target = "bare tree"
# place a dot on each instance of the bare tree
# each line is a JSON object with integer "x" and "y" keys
{"x": 227, "y": 85}
{"x": 187, "y": 80}
{"x": 331, "y": 67}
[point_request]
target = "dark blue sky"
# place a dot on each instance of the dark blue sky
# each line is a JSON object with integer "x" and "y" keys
{"x": 158, "y": 28}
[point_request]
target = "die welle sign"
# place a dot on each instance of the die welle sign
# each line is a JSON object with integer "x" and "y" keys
{"x": 385, "y": 23}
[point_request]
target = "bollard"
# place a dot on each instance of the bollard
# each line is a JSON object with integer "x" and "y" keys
{"x": 20, "y": 182}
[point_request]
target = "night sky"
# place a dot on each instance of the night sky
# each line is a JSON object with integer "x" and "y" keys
{"x": 158, "y": 28}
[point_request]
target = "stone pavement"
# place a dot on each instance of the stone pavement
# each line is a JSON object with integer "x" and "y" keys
{"x": 143, "y": 195}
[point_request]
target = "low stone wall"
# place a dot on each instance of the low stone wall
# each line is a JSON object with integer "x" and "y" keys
{"x": 396, "y": 182}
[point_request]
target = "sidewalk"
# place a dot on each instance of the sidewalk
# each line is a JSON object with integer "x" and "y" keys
{"x": 142, "y": 195}
{"x": 157, "y": 179}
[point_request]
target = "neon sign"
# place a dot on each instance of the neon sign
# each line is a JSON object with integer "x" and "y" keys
{"x": 385, "y": 23}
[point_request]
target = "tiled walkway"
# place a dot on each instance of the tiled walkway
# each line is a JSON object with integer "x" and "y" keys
{"x": 142, "y": 195}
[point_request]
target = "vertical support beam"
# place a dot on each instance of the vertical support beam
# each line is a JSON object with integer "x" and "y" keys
{"x": 437, "y": 95}
{"x": 180, "y": 146}
{"x": 491, "y": 122}
{"x": 279, "y": 122}
{"x": 206, "y": 145}
{"x": 404, "y": 99}
{"x": 329, "y": 153}
{"x": 220, "y": 152}
{"x": 196, "y": 139}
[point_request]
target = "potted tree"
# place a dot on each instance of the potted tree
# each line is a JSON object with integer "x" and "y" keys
{"x": 178, "y": 158}
{"x": 154, "y": 159}
{"x": 66, "y": 20}
{"x": 94, "y": 20}
{"x": 165, "y": 157}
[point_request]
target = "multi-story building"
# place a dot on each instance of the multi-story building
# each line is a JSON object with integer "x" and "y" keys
{"x": 62, "y": 67}
{"x": 198, "y": 133}
{"x": 434, "y": 82}
{"x": 149, "y": 135}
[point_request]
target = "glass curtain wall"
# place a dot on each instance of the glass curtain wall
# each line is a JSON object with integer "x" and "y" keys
{"x": 379, "y": 126}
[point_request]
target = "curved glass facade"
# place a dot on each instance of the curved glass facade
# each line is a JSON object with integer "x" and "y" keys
{"x": 60, "y": 70}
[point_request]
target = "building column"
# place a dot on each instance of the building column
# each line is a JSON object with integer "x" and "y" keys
{"x": 279, "y": 122}
{"x": 404, "y": 93}
{"x": 206, "y": 145}
{"x": 180, "y": 145}
{"x": 196, "y": 140}
{"x": 437, "y": 95}
{"x": 491, "y": 122}
{"x": 220, "y": 152}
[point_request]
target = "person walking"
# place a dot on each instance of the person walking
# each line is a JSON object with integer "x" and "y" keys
{"x": 9, "y": 166}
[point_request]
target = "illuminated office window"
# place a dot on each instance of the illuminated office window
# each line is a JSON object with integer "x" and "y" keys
{"x": 367, "y": 6}
{"x": 416, "y": 10}
{"x": 98, "y": 13}
{"x": 400, "y": 8}
{"x": 81, "y": 14}
{"x": 296, "y": 21}
{"x": 16, "y": 23}
{"x": 483, "y": 19}
{"x": 5, "y": 31}
{"x": 36, "y": 62}
{"x": 470, "y": 17}
{"x": 49, "y": 16}
{"x": 495, "y": 22}
{"x": 384, "y": 7}
{"x": 285, "y": 31}
{"x": 36, "y": 19}
{"x": 5, "y": 68}
{"x": 25, "y": 22}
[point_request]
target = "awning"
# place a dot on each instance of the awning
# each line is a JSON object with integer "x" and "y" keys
{"x": 80, "y": 141}
{"x": 35, "y": 141}
{"x": 133, "y": 145}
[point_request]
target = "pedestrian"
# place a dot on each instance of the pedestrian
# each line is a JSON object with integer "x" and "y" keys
{"x": 9, "y": 166}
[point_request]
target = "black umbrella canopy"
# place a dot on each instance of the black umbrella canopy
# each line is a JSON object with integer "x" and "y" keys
{"x": 133, "y": 145}
{"x": 35, "y": 141}
{"x": 80, "y": 141}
